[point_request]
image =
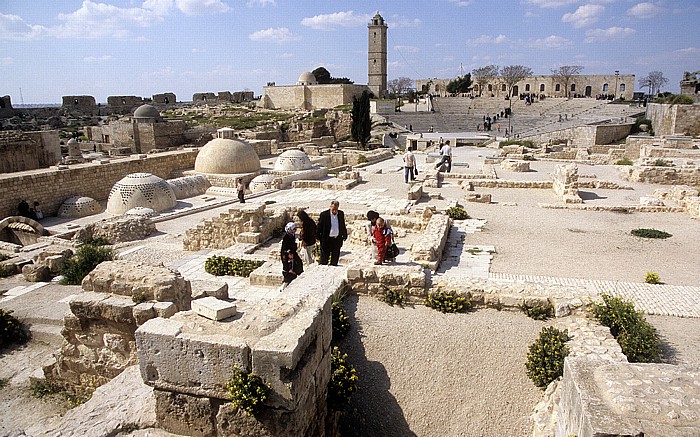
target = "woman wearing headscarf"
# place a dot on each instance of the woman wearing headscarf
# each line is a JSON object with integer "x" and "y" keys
{"x": 307, "y": 237}
{"x": 291, "y": 263}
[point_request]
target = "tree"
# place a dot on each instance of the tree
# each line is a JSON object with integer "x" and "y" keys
{"x": 400, "y": 85}
{"x": 361, "y": 123}
{"x": 654, "y": 81}
{"x": 484, "y": 75}
{"x": 323, "y": 77}
{"x": 564, "y": 74}
{"x": 460, "y": 84}
{"x": 511, "y": 75}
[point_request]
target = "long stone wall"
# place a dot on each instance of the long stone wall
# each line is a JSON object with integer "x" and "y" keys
{"x": 586, "y": 136}
{"x": 21, "y": 151}
{"x": 674, "y": 119}
{"x": 684, "y": 175}
{"x": 50, "y": 187}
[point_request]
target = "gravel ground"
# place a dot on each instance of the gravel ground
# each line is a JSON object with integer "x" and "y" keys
{"x": 424, "y": 373}
{"x": 680, "y": 339}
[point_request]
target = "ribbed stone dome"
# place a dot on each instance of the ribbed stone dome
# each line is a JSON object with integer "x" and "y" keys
{"x": 293, "y": 160}
{"x": 227, "y": 156}
{"x": 263, "y": 182}
{"x": 78, "y": 206}
{"x": 307, "y": 78}
{"x": 146, "y": 111}
{"x": 140, "y": 190}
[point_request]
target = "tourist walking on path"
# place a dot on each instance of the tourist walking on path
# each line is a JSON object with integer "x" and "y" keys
{"x": 291, "y": 263}
{"x": 446, "y": 153}
{"x": 382, "y": 236}
{"x": 409, "y": 165}
{"x": 241, "y": 190}
{"x": 331, "y": 232}
{"x": 307, "y": 237}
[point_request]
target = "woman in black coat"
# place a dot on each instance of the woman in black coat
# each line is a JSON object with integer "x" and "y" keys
{"x": 308, "y": 237}
{"x": 291, "y": 263}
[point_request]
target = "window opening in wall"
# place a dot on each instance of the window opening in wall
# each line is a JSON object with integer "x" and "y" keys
{"x": 573, "y": 87}
{"x": 503, "y": 87}
{"x": 557, "y": 87}
{"x": 490, "y": 88}
{"x": 75, "y": 101}
{"x": 123, "y": 101}
{"x": 605, "y": 87}
{"x": 527, "y": 87}
{"x": 542, "y": 88}
{"x": 622, "y": 87}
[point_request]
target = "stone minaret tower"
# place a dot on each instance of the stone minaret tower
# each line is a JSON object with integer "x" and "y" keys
{"x": 376, "y": 50}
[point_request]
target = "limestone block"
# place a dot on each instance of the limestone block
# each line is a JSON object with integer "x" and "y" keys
{"x": 415, "y": 192}
{"x": 36, "y": 273}
{"x": 55, "y": 263}
{"x": 98, "y": 306}
{"x": 176, "y": 359}
{"x": 515, "y": 165}
{"x": 213, "y": 308}
{"x": 185, "y": 415}
{"x": 478, "y": 197}
{"x": 269, "y": 274}
{"x": 143, "y": 312}
{"x": 650, "y": 201}
{"x": 117, "y": 229}
{"x": 511, "y": 301}
{"x": 202, "y": 288}
{"x": 164, "y": 309}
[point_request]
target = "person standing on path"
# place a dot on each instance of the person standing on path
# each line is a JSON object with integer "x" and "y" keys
{"x": 446, "y": 152}
{"x": 409, "y": 164}
{"x": 291, "y": 263}
{"x": 307, "y": 237}
{"x": 331, "y": 232}
{"x": 241, "y": 190}
{"x": 382, "y": 236}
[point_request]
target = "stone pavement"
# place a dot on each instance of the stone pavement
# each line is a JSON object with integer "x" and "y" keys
{"x": 372, "y": 198}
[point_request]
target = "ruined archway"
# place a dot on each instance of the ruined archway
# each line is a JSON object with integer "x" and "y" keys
{"x": 20, "y": 230}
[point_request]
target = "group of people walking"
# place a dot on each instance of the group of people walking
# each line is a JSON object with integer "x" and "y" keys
{"x": 330, "y": 232}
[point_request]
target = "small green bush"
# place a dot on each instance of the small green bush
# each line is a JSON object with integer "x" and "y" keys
{"x": 42, "y": 387}
{"x": 98, "y": 241}
{"x": 457, "y": 213}
{"x": 529, "y": 158}
{"x": 662, "y": 163}
{"x": 343, "y": 381}
{"x": 392, "y": 297}
{"x": 362, "y": 159}
{"x": 139, "y": 298}
{"x": 248, "y": 391}
{"x": 11, "y": 329}
{"x": 624, "y": 161}
{"x": 226, "y": 266}
{"x": 86, "y": 258}
{"x": 652, "y": 278}
{"x": 545, "y": 359}
{"x": 6, "y": 271}
{"x": 341, "y": 321}
{"x": 4, "y": 382}
{"x": 448, "y": 302}
{"x": 4, "y": 257}
{"x": 649, "y": 233}
{"x": 636, "y": 336}
{"x": 675, "y": 99}
{"x": 538, "y": 311}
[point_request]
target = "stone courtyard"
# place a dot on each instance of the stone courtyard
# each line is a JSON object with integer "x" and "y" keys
{"x": 549, "y": 231}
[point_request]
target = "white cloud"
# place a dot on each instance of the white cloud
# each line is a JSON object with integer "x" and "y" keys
{"x": 550, "y": 42}
{"x": 272, "y": 34}
{"x": 161, "y": 7}
{"x": 97, "y": 59}
{"x": 13, "y": 27}
{"x": 644, "y": 10}
{"x": 584, "y": 16}
{"x": 286, "y": 55}
{"x": 611, "y": 33}
{"x": 688, "y": 51}
{"x": 461, "y": 2}
{"x": 335, "y": 20}
{"x": 398, "y": 21}
{"x": 487, "y": 39}
{"x": 97, "y": 20}
{"x": 202, "y": 7}
{"x": 7, "y": 61}
{"x": 408, "y": 49}
{"x": 552, "y": 3}
{"x": 262, "y": 3}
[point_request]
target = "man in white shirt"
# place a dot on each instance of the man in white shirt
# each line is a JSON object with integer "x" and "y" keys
{"x": 409, "y": 164}
{"x": 446, "y": 152}
{"x": 331, "y": 232}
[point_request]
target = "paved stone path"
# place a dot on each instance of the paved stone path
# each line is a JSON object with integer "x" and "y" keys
{"x": 372, "y": 198}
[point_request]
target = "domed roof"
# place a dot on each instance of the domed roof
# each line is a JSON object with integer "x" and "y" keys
{"x": 307, "y": 78}
{"x": 78, "y": 206}
{"x": 140, "y": 189}
{"x": 227, "y": 156}
{"x": 146, "y": 111}
{"x": 293, "y": 160}
{"x": 264, "y": 182}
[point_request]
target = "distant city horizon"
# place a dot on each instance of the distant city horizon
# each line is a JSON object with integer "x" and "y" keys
{"x": 145, "y": 47}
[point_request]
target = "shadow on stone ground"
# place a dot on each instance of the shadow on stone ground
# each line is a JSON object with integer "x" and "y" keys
{"x": 373, "y": 410}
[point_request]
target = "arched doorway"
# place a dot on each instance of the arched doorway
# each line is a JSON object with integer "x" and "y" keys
{"x": 589, "y": 90}
{"x": 515, "y": 91}
{"x": 20, "y": 230}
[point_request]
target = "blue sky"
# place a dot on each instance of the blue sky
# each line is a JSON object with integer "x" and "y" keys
{"x": 50, "y": 48}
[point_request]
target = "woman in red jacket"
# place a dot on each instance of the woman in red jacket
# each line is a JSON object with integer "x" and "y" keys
{"x": 382, "y": 236}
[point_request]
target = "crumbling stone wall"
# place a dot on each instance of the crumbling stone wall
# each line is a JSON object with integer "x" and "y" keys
{"x": 99, "y": 330}
{"x": 51, "y": 187}
{"x": 117, "y": 229}
{"x": 674, "y": 119}
{"x": 165, "y": 99}
{"x": 565, "y": 183}
{"x": 21, "y": 151}
{"x": 683, "y": 175}
{"x": 427, "y": 250}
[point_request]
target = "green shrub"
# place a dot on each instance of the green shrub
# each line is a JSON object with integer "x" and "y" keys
{"x": 538, "y": 311}
{"x": 86, "y": 258}
{"x": 343, "y": 381}
{"x": 4, "y": 382}
{"x": 624, "y": 161}
{"x": 457, "y": 213}
{"x": 652, "y": 278}
{"x": 4, "y": 257}
{"x": 392, "y": 297}
{"x": 448, "y": 302}
{"x": 362, "y": 159}
{"x": 649, "y": 233}
{"x": 139, "y": 298}
{"x": 529, "y": 158}
{"x": 545, "y": 359}
{"x": 98, "y": 241}
{"x": 674, "y": 99}
{"x": 11, "y": 329}
{"x": 226, "y": 266}
{"x": 662, "y": 163}
{"x": 248, "y": 391}
{"x": 6, "y": 271}
{"x": 341, "y": 321}
{"x": 636, "y": 336}
{"x": 42, "y": 387}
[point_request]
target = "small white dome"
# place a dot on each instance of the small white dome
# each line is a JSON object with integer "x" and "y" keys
{"x": 307, "y": 78}
{"x": 293, "y": 160}
{"x": 141, "y": 212}
{"x": 78, "y": 206}
{"x": 140, "y": 190}
{"x": 263, "y": 182}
